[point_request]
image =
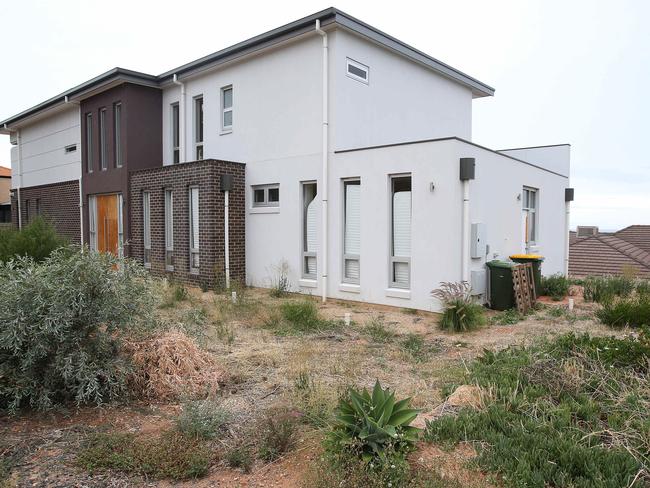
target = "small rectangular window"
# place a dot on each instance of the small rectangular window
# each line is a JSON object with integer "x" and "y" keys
{"x": 357, "y": 71}
{"x": 103, "y": 150}
{"x": 400, "y": 261}
{"x": 38, "y": 206}
{"x": 226, "y": 107}
{"x": 169, "y": 230}
{"x": 309, "y": 230}
{"x": 194, "y": 229}
{"x": 89, "y": 143}
{"x": 176, "y": 151}
{"x": 529, "y": 207}
{"x": 146, "y": 224}
{"x": 92, "y": 221}
{"x": 266, "y": 195}
{"x": 71, "y": 148}
{"x": 120, "y": 226}
{"x": 117, "y": 136}
{"x": 198, "y": 128}
{"x": 351, "y": 231}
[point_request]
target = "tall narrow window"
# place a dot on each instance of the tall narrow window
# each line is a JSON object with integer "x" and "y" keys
{"x": 27, "y": 212}
{"x": 176, "y": 151}
{"x": 194, "y": 229}
{"x": 169, "y": 230}
{"x": 89, "y": 143}
{"x": 146, "y": 224}
{"x": 226, "y": 107}
{"x": 120, "y": 226}
{"x": 351, "y": 230}
{"x": 103, "y": 150}
{"x": 529, "y": 207}
{"x": 198, "y": 128}
{"x": 309, "y": 237}
{"x": 92, "y": 221}
{"x": 38, "y": 206}
{"x": 400, "y": 260}
{"x": 117, "y": 136}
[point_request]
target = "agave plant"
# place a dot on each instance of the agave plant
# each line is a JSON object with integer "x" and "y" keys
{"x": 373, "y": 425}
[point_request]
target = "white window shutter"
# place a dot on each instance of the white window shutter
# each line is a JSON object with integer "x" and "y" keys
{"x": 194, "y": 193}
{"x": 353, "y": 219}
{"x": 402, "y": 224}
{"x": 401, "y": 273}
{"x": 311, "y": 238}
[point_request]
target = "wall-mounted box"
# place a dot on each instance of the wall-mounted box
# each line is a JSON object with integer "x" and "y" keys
{"x": 478, "y": 281}
{"x": 478, "y": 241}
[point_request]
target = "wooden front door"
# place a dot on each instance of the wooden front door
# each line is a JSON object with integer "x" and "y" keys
{"x": 107, "y": 224}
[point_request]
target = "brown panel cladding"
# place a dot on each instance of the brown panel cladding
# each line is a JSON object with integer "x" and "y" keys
{"x": 206, "y": 175}
{"x": 58, "y": 203}
{"x": 141, "y": 139}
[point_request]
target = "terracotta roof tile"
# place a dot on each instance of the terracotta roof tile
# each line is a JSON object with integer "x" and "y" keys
{"x": 607, "y": 254}
{"x": 5, "y": 172}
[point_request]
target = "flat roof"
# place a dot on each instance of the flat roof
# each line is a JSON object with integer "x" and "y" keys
{"x": 327, "y": 17}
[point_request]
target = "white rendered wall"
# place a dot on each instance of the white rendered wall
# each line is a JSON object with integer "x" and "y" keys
{"x": 403, "y": 101}
{"x": 42, "y": 150}
{"x": 555, "y": 158}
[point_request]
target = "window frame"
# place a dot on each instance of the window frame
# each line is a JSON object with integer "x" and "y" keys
{"x": 226, "y": 129}
{"x": 70, "y": 148}
{"x": 306, "y": 254}
{"x": 89, "y": 142}
{"x": 175, "y": 126}
{"x": 266, "y": 203}
{"x": 393, "y": 259}
{"x": 199, "y": 126}
{"x": 120, "y": 225}
{"x": 103, "y": 143}
{"x": 360, "y": 66}
{"x": 349, "y": 256}
{"x": 169, "y": 229}
{"x": 117, "y": 134}
{"x": 146, "y": 229}
{"x": 531, "y": 240}
{"x": 194, "y": 247}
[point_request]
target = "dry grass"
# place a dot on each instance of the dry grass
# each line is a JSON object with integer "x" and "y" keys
{"x": 171, "y": 365}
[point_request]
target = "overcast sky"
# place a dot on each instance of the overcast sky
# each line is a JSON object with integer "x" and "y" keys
{"x": 564, "y": 71}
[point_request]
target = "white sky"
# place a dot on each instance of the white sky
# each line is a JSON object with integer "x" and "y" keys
{"x": 564, "y": 71}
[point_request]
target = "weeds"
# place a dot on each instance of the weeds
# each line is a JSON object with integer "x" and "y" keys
{"x": 277, "y": 435}
{"x": 299, "y": 317}
{"x": 202, "y": 419}
{"x": 171, "y": 455}
{"x": 377, "y": 331}
{"x": 240, "y": 457}
{"x": 555, "y": 286}
{"x": 417, "y": 349}
{"x": 570, "y": 412}
{"x": 174, "y": 294}
{"x": 507, "y": 317}
{"x": 632, "y": 312}
{"x": 313, "y": 399}
{"x": 280, "y": 285}
{"x": 602, "y": 289}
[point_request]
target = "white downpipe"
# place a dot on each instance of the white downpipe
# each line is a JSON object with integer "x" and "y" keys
{"x": 181, "y": 120}
{"x": 325, "y": 164}
{"x": 20, "y": 177}
{"x": 225, "y": 237}
{"x": 567, "y": 237}
{"x": 81, "y": 214}
{"x": 465, "y": 233}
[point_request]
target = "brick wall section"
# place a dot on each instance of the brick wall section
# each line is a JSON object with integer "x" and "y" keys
{"x": 206, "y": 175}
{"x": 58, "y": 204}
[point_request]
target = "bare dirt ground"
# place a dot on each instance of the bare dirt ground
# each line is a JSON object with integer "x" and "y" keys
{"x": 262, "y": 368}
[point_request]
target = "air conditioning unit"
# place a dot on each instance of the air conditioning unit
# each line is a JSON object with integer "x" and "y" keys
{"x": 587, "y": 231}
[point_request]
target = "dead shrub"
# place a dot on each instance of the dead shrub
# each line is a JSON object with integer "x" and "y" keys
{"x": 172, "y": 365}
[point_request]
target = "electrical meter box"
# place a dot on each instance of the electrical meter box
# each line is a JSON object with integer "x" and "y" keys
{"x": 478, "y": 241}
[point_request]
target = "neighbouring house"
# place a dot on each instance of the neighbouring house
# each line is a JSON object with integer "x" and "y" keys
{"x": 325, "y": 148}
{"x": 5, "y": 197}
{"x": 594, "y": 253}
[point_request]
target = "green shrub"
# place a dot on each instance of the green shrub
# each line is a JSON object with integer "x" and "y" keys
{"x": 643, "y": 287}
{"x": 568, "y": 412}
{"x": 202, "y": 419}
{"x": 632, "y": 312}
{"x": 277, "y": 435}
{"x": 61, "y": 324}
{"x": 373, "y": 427}
{"x": 172, "y": 455}
{"x": 555, "y": 286}
{"x": 240, "y": 457}
{"x": 37, "y": 240}
{"x": 377, "y": 331}
{"x": 297, "y": 317}
{"x": 602, "y": 289}
{"x": 461, "y": 313}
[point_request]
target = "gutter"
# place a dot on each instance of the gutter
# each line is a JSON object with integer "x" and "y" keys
{"x": 181, "y": 120}
{"x": 325, "y": 162}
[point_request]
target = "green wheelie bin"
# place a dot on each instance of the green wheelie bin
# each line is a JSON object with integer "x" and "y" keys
{"x": 502, "y": 292}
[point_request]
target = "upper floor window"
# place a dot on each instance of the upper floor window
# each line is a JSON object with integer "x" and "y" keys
{"x": 117, "y": 136}
{"x": 103, "y": 150}
{"x": 357, "y": 71}
{"x": 176, "y": 150}
{"x": 198, "y": 127}
{"x": 529, "y": 207}
{"x": 226, "y": 108}
{"x": 89, "y": 143}
{"x": 266, "y": 196}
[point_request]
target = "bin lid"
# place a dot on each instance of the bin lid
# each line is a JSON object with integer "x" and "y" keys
{"x": 531, "y": 257}
{"x": 499, "y": 264}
